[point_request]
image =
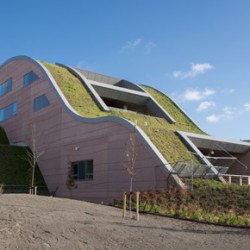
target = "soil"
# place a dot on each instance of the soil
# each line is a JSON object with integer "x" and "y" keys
{"x": 36, "y": 222}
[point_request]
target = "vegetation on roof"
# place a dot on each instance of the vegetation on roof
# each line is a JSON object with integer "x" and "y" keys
{"x": 180, "y": 117}
{"x": 161, "y": 133}
{"x": 74, "y": 91}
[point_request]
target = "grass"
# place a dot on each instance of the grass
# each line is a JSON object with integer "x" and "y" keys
{"x": 161, "y": 133}
{"x": 74, "y": 91}
{"x": 210, "y": 201}
{"x": 15, "y": 170}
{"x": 3, "y": 137}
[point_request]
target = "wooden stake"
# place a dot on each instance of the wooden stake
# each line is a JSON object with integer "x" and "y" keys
{"x": 137, "y": 205}
{"x": 240, "y": 180}
{"x": 229, "y": 179}
{"x": 248, "y": 181}
{"x": 124, "y": 204}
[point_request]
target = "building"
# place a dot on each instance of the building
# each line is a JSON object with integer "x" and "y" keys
{"x": 100, "y": 127}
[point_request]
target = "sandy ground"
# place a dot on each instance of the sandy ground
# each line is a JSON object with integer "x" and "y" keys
{"x": 35, "y": 222}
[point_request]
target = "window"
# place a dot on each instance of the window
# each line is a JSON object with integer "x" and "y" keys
{"x": 40, "y": 103}
{"x": 82, "y": 170}
{"x": 29, "y": 78}
{"x": 6, "y": 87}
{"x": 8, "y": 111}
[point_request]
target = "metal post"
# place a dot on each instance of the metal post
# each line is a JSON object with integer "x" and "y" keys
{"x": 240, "y": 180}
{"x": 229, "y": 179}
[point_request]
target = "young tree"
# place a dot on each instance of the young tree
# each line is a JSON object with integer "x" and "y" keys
{"x": 70, "y": 182}
{"x": 131, "y": 156}
{"x": 33, "y": 155}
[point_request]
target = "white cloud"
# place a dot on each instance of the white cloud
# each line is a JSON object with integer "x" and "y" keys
{"x": 227, "y": 114}
{"x": 204, "y": 106}
{"x": 195, "y": 95}
{"x": 247, "y": 106}
{"x": 133, "y": 44}
{"x": 196, "y": 69}
{"x": 213, "y": 118}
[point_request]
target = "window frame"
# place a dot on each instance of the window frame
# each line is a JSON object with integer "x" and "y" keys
{"x": 40, "y": 102}
{"x": 6, "y": 87}
{"x": 8, "y": 111}
{"x": 29, "y": 78}
{"x": 82, "y": 171}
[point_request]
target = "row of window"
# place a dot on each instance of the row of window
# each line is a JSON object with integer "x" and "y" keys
{"x": 83, "y": 170}
{"x": 11, "y": 110}
{"x": 28, "y": 79}
{"x": 7, "y": 112}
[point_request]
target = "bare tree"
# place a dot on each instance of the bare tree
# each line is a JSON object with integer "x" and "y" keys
{"x": 32, "y": 154}
{"x": 131, "y": 156}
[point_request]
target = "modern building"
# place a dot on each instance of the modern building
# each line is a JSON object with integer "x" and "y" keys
{"x": 103, "y": 131}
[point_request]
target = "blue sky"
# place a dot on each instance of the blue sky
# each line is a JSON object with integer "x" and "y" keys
{"x": 195, "y": 51}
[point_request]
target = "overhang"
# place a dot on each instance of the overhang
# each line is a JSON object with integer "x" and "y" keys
{"x": 208, "y": 142}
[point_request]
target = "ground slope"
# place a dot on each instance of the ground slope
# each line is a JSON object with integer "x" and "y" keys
{"x": 33, "y": 222}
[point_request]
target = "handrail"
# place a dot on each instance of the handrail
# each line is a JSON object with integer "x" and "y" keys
{"x": 237, "y": 176}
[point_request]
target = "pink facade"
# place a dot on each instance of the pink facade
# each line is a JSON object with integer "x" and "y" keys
{"x": 65, "y": 137}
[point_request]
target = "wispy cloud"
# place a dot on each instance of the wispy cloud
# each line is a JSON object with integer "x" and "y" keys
{"x": 229, "y": 91}
{"x": 196, "y": 95}
{"x": 228, "y": 113}
{"x": 149, "y": 46}
{"x": 246, "y": 106}
{"x": 205, "y": 106}
{"x": 132, "y": 44}
{"x": 196, "y": 70}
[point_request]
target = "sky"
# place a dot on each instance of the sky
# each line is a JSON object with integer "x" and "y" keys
{"x": 195, "y": 51}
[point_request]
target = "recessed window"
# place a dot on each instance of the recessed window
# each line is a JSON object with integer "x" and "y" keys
{"x": 82, "y": 170}
{"x": 40, "y": 102}
{"x": 6, "y": 87}
{"x": 8, "y": 111}
{"x": 29, "y": 78}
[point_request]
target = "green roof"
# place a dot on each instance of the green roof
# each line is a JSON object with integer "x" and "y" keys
{"x": 160, "y": 131}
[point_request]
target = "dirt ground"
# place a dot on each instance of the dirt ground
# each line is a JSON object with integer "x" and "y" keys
{"x": 36, "y": 222}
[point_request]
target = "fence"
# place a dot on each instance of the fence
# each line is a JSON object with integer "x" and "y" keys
{"x": 23, "y": 189}
{"x": 237, "y": 179}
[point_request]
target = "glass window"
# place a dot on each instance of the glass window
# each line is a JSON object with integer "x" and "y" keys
{"x": 8, "y": 111}
{"x": 29, "y": 78}
{"x": 40, "y": 103}
{"x": 6, "y": 87}
{"x": 83, "y": 170}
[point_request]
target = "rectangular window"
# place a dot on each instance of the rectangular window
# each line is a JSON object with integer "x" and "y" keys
{"x": 40, "y": 102}
{"x": 8, "y": 111}
{"x": 29, "y": 78}
{"x": 82, "y": 170}
{"x": 6, "y": 87}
